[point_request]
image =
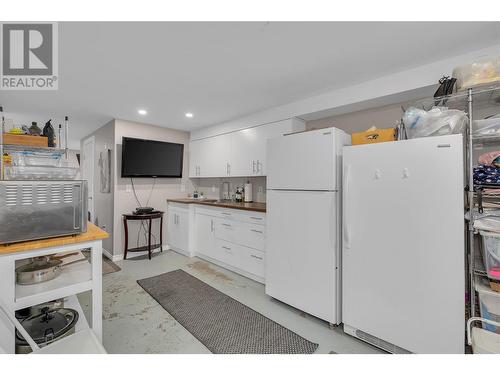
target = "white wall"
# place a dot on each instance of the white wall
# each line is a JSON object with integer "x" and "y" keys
{"x": 104, "y": 202}
{"x": 381, "y": 117}
{"x": 124, "y": 200}
{"x": 395, "y": 88}
{"x": 210, "y": 187}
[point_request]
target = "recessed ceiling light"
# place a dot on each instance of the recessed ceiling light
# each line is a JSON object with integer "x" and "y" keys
{"x": 142, "y": 112}
{"x": 189, "y": 115}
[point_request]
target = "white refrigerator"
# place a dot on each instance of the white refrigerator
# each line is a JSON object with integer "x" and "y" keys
{"x": 303, "y": 221}
{"x": 403, "y": 244}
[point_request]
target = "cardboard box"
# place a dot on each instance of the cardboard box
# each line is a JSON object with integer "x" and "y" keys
{"x": 374, "y": 136}
{"x": 25, "y": 140}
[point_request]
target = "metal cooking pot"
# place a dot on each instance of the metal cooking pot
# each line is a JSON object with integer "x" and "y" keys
{"x": 47, "y": 327}
{"x": 37, "y": 309}
{"x": 42, "y": 269}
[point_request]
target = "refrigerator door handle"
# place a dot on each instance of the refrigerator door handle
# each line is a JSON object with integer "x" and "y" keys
{"x": 346, "y": 224}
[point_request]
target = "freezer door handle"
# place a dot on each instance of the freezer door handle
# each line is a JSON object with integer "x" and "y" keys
{"x": 346, "y": 223}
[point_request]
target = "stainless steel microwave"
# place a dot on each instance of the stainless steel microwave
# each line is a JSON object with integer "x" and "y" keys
{"x": 32, "y": 210}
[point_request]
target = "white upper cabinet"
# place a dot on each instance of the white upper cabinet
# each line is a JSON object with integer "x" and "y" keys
{"x": 209, "y": 157}
{"x": 237, "y": 154}
{"x": 195, "y": 151}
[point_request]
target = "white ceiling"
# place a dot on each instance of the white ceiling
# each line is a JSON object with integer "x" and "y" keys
{"x": 221, "y": 71}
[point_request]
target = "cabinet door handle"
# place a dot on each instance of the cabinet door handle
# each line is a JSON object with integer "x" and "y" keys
{"x": 256, "y": 257}
{"x": 256, "y": 231}
{"x": 255, "y": 218}
{"x": 212, "y": 225}
{"x": 226, "y": 248}
{"x": 253, "y": 166}
{"x": 226, "y": 213}
{"x": 226, "y": 225}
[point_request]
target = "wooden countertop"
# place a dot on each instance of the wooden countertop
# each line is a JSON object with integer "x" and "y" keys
{"x": 254, "y": 206}
{"x": 93, "y": 233}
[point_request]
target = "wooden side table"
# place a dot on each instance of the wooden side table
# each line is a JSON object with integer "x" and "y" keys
{"x": 149, "y": 217}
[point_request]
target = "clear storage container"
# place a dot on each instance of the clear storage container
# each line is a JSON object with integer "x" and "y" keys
{"x": 478, "y": 73}
{"x": 491, "y": 253}
{"x": 489, "y": 304}
{"x": 489, "y": 127}
{"x": 38, "y": 159}
{"x": 16, "y": 172}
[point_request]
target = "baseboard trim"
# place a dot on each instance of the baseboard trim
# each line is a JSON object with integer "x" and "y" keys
{"x": 119, "y": 257}
{"x": 180, "y": 251}
{"x": 107, "y": 254}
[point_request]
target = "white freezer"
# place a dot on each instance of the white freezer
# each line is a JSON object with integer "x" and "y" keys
{"x": 403, "y": 243}
{"x": 302, "y": 247}
{"x": 306, "y": 161}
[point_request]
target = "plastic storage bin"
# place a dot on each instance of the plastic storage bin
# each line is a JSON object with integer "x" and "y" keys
{"x": 481, "y": 340}
{"x": 489, "y": 127}
{"x": 478, "y": 73}
{"x": 15, "y": 172}
{"x": 36, "y": 159}
{"x": 491, "y": 253}
{"x": 489, "y": 304}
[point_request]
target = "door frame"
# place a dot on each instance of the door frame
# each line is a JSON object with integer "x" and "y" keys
{"x": 89, "y": 140}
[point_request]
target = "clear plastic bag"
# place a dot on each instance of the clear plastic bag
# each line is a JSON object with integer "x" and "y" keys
{"x": 438, "y": 121}
{"x": 487, "y": 127}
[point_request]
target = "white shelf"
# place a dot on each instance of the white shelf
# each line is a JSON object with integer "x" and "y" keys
{"x": 71, "y": 302}
{"x": 75, "y": 278}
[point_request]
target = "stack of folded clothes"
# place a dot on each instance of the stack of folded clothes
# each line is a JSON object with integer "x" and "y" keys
{"x": 488, "y": 172}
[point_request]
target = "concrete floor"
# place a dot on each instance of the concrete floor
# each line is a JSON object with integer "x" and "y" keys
{"x": 133, "y": 322}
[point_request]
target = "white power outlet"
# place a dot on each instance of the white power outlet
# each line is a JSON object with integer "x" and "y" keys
{"x": 128, "y": 188}
{"x": 183, "y": 187}
{"x": 260, "y": 189}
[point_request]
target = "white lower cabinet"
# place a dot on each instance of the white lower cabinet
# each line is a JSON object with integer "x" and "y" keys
{"x": 179, "y": 228}
{"x": 231, "y": 239}
{"x": 205, "y": 235}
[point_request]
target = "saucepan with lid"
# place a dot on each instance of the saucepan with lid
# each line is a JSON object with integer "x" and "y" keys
{"x": 48, "y": 326}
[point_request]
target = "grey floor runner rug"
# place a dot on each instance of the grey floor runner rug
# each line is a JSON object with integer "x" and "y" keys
{"x": 221, "y": 323}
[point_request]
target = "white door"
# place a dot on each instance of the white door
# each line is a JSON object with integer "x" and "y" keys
{"x": 403, "y": 243}
{"x": 88, "y": 166}
{"x": 302, "y": 251}
{"x": 205, "y": 235}
{"x": 302, "y": 161}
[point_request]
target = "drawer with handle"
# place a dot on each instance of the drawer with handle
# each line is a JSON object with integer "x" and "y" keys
{"x": 227, "y": 252}
{"x": 250, "y": 217}
{"x": 251, "y": 261}
{"x": 225, "y": 230}
{"x": 251, "y": 235}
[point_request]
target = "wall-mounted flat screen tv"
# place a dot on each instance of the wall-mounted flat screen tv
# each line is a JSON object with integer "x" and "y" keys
{"x": 147, "y": 158}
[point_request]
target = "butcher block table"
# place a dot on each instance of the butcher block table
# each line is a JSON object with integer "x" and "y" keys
{"x": 74, "y": 279}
